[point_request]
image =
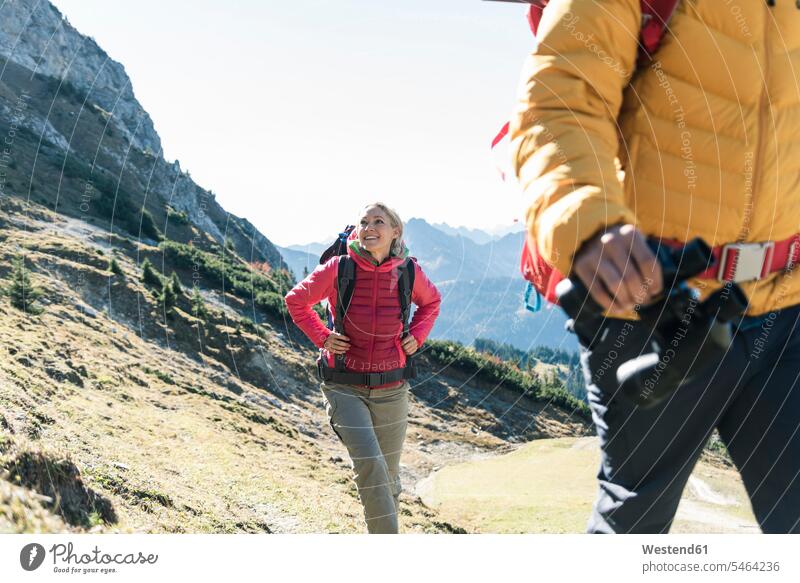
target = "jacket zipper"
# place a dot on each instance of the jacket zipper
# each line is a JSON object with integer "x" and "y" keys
{"x": 374, "y": 319}
{"x": 763, "y": 111}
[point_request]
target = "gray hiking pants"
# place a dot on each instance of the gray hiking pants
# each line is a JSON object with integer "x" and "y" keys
{"x": 371, "y": 424}
{"x": 752, "y": 396}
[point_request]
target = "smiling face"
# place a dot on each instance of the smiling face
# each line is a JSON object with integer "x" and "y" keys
{"x": 376, "y": 233}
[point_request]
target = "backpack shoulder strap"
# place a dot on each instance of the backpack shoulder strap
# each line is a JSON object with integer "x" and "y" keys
{"x": 346, "y": 283}
{"x": 339, "y": 246}
{"x": 405, "y": 286}
{"x": 655, "y": 18}
{"x": 345, "y": 278}
{"x": 656, "y": 15}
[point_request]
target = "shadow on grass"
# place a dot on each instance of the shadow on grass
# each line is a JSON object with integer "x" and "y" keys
{"x": 60, "y": 480}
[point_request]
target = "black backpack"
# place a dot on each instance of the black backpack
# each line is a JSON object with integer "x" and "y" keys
{"x": 345, "y": 278}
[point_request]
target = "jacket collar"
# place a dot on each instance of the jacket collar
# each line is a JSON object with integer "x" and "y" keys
{"x": 365, "y": 260}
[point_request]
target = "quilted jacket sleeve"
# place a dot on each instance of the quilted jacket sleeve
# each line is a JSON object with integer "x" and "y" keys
{"x": 428, "y": 300}
{"x": 318, "y": 286}
{"x": 564, "y": 130}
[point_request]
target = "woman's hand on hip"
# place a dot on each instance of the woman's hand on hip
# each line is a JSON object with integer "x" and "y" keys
{"x": 337, "y": 343}
{"x": 409, "y": 344}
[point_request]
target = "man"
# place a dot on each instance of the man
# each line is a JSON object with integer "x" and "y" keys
{"x": 705, "y": 135}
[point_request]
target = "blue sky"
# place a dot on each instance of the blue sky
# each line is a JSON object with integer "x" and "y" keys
{"x": 297, "y": 113}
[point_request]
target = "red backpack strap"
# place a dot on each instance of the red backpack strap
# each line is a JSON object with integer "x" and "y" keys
{"x": 655, "y": 19}
{"x": 535, "y": 14}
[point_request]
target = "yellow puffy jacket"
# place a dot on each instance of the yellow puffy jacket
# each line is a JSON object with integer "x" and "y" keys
{"x": 707, "y": 136}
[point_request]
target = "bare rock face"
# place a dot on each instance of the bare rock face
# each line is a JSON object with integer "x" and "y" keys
{"x": 197, "y": 203}
{"x": 35, "y": 35}
{"x": 18, "y": 115}
{"x": 53, "y": 80}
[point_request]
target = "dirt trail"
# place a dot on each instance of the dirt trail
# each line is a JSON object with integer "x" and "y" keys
{"x": 525, "y": 491}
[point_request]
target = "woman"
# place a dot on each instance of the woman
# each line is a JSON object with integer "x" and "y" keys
{"x": 370, "y": 419}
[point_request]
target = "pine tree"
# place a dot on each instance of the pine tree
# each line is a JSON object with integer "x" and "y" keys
{"x": 150, "y": 276}
{"x": 176, "y": 285}
{"x": 148, "y": 227}
{"x": 168, "y": 299}
{"x": 305, "y": 271}
{"x": 114, "y": 267}
{"x": 21, "y": 291}
{"x": 199, "y": 309}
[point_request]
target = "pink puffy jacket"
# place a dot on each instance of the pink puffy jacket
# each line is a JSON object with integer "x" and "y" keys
{"x": 373, "y": 320}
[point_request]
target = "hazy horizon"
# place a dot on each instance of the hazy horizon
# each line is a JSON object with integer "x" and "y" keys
{"x": 492, "y": 230}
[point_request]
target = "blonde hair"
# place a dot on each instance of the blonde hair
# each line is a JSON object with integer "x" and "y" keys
{"x": 396, "y": 223}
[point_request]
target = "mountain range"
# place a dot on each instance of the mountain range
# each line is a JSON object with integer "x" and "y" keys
{"x": 480, "y": 236}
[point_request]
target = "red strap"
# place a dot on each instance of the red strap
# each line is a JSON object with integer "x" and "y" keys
{"x": 501, "y": 134}
{"x": 535, "y": 14}
{"x": 785, "y": 255}
{"x": 655, "y": 18}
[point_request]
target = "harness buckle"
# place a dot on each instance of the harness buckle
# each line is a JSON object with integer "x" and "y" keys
{"x": 374, "y": 379}
{"x": 748, "y": 260}
{"x": 791, "y": 262}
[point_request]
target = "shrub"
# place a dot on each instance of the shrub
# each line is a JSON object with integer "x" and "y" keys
{"x": 148, "y": 226}
{"x": 272, "y": 302}
{"x": 199, "y": 309}
{"x": 233, "y": 275}
{"x": 178, "y": 217}
{"x": 175, "y": 282}
{"x": 249, "y": 325}
{"x": 523, "y": 359}
{"x": 21, "y": 291}
{"x": 150, "y": 276}
{"x": 159, "y": 374}
{"x": 495, "y": 370}
{"x": 114, "y": 267}
{"x": 168, "y": 299}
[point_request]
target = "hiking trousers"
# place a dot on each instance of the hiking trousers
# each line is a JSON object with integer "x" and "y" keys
{"x": 371, "y": 423}
{"x": 752, "y": 397}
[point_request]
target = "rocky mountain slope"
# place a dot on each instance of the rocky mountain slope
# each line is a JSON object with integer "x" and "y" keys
{"x": 77, "y": 141}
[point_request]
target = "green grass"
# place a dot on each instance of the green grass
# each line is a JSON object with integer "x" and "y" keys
{"x": 226, "y": 271}
{"x": 160, "y": 375}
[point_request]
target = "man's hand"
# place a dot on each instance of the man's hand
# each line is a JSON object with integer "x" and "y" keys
{"x": 619, "y": 269}
{"x": 337, "y": 343}
{"x": 409, "y": 344}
